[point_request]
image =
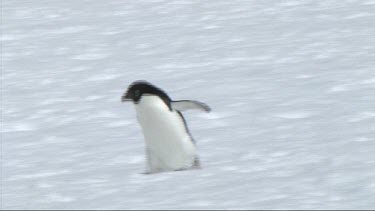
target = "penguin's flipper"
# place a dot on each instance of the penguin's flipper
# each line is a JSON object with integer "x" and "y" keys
{"x": 183, "y": 105}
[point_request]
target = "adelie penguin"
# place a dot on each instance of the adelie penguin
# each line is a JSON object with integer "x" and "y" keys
{"x": 169, "y": 144}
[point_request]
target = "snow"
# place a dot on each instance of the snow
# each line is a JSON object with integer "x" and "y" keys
{"x": 291, "y": 85}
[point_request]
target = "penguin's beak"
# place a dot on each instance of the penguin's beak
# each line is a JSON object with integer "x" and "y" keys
{"x": 125, "y": 98}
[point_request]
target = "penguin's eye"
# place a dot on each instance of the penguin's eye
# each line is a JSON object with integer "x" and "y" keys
{"x": 137, "y": 93}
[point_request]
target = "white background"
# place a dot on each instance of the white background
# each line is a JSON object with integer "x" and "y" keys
{"x": 291, "y": 85}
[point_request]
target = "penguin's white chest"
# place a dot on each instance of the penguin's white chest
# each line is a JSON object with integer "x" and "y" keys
{"x": 168, "y": 145}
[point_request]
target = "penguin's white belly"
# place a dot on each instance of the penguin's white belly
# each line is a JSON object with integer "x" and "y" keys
{"x": 168, "y": 145}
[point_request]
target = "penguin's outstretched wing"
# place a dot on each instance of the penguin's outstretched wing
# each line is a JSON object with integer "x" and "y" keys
{"x": 183, "y": 105}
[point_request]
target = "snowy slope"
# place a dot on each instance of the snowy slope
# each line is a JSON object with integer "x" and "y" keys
{"x": 291, "y": 84}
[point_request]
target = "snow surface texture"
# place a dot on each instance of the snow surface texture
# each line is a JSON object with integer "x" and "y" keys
{"x": 291, "y": 85}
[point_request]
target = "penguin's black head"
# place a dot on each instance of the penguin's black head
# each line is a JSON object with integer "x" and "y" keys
{"x": 141, "y": 88}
